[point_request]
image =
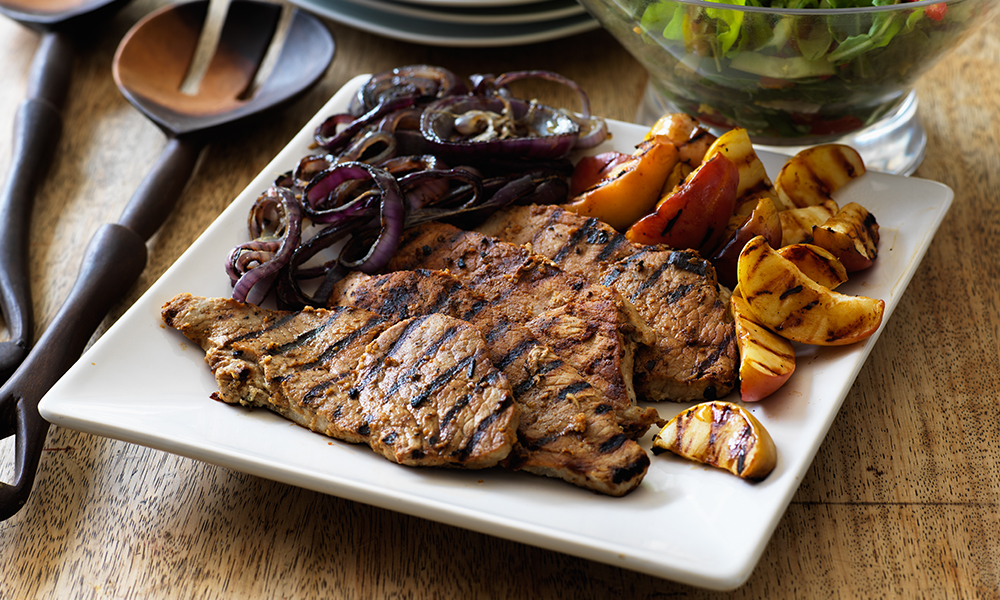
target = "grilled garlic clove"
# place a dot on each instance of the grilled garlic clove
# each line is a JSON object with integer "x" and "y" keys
{"x": 720, "y": 434}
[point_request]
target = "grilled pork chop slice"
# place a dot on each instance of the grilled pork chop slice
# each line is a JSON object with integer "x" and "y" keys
{"x": 694, "y": 356}
{"x": 588, "y": 326}
{"x": 403, "y": 294}
{"x": 420, "y": 392}
{"x": 568, "y": 430}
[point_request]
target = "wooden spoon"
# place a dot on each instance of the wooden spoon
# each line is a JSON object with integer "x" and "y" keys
{"x": 150, "y": 61}
{"x": 37, "y": 126}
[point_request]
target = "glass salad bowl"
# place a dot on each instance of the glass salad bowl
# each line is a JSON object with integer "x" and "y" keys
{"x": 802, "y": 74}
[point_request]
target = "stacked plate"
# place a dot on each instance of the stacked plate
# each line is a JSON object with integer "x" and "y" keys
{"x": 465, "y": 23}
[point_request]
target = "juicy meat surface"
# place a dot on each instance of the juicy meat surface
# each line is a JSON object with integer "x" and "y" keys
{"x": 568, "y": 429}
{"x": 694, "y": 356}
{"x": 420, "y": 392}
{"x": 588, "y": 326}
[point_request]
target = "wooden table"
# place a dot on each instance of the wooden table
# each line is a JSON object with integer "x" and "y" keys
{"x": 901, "y": 500}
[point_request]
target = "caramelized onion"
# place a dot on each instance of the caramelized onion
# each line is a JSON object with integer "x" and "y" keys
{"x": 382, "y": 169}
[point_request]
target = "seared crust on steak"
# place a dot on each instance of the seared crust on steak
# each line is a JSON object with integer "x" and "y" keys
{"x": 694, "y": 356}
{"x": 588, "y": 326}
{"x": 420, "y": 392}
{"x": 567, "y": 429}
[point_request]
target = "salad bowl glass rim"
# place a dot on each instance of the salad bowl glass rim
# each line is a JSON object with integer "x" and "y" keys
{"x": 817, "y": 11}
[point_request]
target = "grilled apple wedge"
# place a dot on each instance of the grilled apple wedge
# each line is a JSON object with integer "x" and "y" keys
{"x": 797, "y": 223}
{"x": 851, "y": 235}
{"x": 631, "y": 188}
{"x": 767, "y": 360}
{"x": 791, "y": 304}
{"x": 811, "y": 176}
{"x": 720, "y": 434}
{"x": 816, "y": 263}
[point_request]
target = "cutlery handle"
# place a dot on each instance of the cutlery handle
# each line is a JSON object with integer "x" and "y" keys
{"x": 37, "y": 126}
{"x": 114, "y": 259}
{"x": 158, "y": 193}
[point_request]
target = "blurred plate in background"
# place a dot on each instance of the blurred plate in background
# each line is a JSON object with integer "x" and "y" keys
{"x": 548, "y": 10}
{"x": 434, "y": 27}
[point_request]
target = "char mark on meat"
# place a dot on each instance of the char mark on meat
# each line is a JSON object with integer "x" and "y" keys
{"x": 694, "y": 356}
{"x": 590, "y": 327}
{"x": 420, "y": 392}
{"x": 567, "y": 430}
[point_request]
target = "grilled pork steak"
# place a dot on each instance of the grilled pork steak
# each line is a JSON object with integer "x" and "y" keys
{"x": 694, "y": 356}
{"x": 588, "y": 326}
{"x": 403, "y": 294}
{"x": 568, "y": 429}
{"x": 420, "y": 392}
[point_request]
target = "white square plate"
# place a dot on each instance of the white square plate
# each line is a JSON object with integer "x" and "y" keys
{"x": 144, "y": 383}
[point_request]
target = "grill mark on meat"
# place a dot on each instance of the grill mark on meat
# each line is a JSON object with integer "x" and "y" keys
{"x": 463, "y": 416}
{"x": 583, "y": 232}
{"x": 279, "y": 322}
{"x": 376, "y": 367}
{"x": 613, "y": 443}
{"x": 676, "y": 295}
{"x": 481, "y": 430}
{"x": 689, "y": 262}
{"x": 338, "y": 346}
{"x": 301, "y": 339}
{"x": 610, "y": 247}
{"x": 516, "y": 353}
{"x": 563, "y": 418}
{"x": 450, "y": 415}
{"x": 439, "y": 382}
{"x": 627, "y": 473}
{"x": 574, "y": 388}
{"x": 429, "y": 352}
{"x": 694, "y": 355}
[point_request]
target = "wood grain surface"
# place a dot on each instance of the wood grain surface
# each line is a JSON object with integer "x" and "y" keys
{"x": 901, "y": 500}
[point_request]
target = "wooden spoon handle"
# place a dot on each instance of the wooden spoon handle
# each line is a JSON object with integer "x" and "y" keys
{"x": 37, "y": 126}
{"x": 113, "y": 262}
{"x": 114, "y": 259}
{"x": 159, "y": 191}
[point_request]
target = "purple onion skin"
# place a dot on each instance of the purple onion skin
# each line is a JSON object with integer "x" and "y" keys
{"x": 397, "y": 159}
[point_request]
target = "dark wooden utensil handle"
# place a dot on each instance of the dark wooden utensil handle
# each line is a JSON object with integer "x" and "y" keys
{"x": 156, "y": 196}
{"x": 113, "y": 262}
{"x": 37, "y": 127}
{"x": 114, "y": 259}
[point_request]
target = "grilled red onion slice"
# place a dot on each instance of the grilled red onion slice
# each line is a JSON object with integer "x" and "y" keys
{"x": 418, "y": 81}
{"x": 382, "y": 171}
{"x": 492, "y": 126}
{"x": 253, "y": 266}
{"x": 328, "y": 137}
{"x": 593, "y": 130}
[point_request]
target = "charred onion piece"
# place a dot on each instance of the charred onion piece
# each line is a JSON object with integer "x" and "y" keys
{"x": 381, "y": 168}
{"x": 275, "y": 224}
{"x": 495, "y": 126}
{"x": 593, "y": 130}
{"x": 416, "y": 81}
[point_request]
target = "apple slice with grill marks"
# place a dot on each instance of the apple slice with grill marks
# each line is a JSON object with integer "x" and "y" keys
{"x": 851, "y": 235}
{"x": 720, "y": 434}
{"x": 791, "y": 304}
{"x": 695, "y": 214}
{"x": 767, "y": 360}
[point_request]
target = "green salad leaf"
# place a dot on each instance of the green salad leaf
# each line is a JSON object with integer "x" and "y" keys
{"x": 792, "y": 74}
